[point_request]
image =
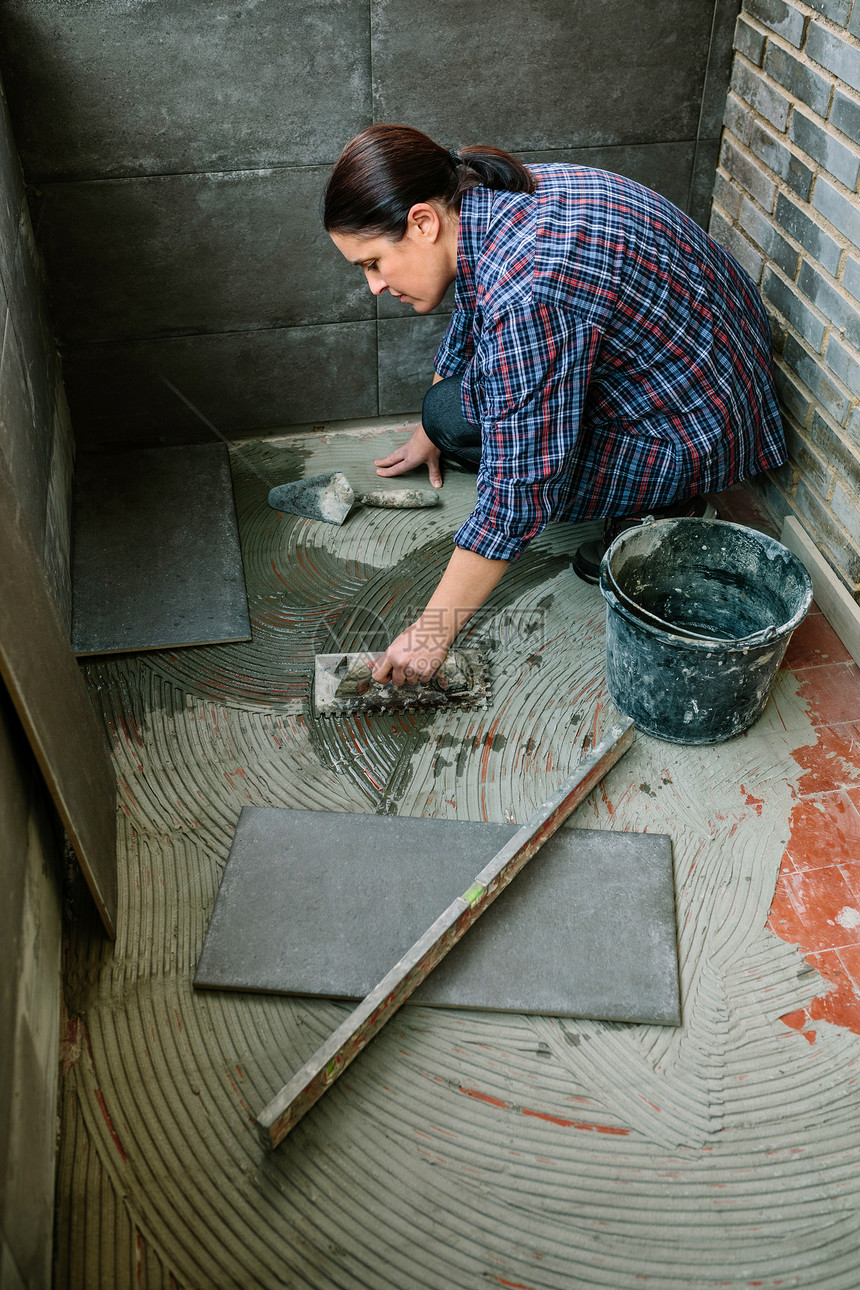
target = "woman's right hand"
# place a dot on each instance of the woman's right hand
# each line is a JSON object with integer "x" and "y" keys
{"x": 417, "y": 451}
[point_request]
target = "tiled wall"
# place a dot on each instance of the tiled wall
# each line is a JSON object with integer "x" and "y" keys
{"x": 177, "y": 153}
{"x": 36, "y": 444}
{"x": 37, "y": 452}
{"x": 786, "y": 204}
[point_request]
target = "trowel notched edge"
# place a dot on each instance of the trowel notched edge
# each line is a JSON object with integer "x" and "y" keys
{"x": 471, "y": 688}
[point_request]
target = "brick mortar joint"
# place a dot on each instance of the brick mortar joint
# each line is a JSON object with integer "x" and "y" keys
{"x": 810, "y": 16}
{"x": 826, "y": 467}
{"x": 798, "y": 55}
{"x": 829, "y": 326}
{"x": 806, "y": 206}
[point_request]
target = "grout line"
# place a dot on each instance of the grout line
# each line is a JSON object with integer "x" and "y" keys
{"x": 702, "y": 106}
{"x": 45, "y": 182}
{"x": 196, "y": 335}
{"x": 68, "y": 346}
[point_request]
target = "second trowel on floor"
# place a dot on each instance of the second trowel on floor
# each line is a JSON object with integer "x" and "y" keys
{"x": 330, "y": 497}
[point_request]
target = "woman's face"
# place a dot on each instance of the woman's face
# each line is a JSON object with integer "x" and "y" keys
{"x": 417, "y": 269}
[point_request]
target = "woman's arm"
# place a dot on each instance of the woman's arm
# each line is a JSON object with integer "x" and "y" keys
{"x": 418, "y": 652}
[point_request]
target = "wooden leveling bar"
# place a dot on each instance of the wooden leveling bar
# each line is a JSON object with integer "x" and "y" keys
{"x": 332, "y": 1058}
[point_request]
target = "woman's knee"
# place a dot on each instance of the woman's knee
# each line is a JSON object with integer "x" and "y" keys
{"x": 443, "y": 419}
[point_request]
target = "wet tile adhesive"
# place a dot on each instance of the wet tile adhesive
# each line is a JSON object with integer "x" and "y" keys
{"x": 462, "y": 1149}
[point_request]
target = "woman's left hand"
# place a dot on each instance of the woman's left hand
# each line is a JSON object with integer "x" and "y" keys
{"x": 416, "y": 655}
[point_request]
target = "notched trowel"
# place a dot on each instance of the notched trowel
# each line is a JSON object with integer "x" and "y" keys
{"x": 330, "y": 497}
{"x": 343, "y": 684}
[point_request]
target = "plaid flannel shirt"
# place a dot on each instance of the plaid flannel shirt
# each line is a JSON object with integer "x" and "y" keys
{"x": 614, "y": 356}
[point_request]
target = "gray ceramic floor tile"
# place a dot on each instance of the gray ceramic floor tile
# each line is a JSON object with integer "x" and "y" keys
{"x": 156, "y": 551}
{"x": 325, "y": 903}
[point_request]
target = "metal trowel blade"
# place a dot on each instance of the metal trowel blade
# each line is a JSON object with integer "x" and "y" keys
{"x": 326, "y": 497}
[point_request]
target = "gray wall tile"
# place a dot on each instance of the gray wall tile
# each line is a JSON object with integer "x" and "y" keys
{"x": 24, "y": 450}
{"x": 11, "y": 193}
{"x": 406, "y": 350}
{"x": 702, "y": 185}
{"x": 388, "y": 307}
{"x": 37, "y": 355}
{"x": 241, "y": 381}
{"x": 719, "y": 64}
{"x": 665, "y": 167}
{"x": 112, "y": 88}
{"x": 555, "y": 73}
{"x": 131, "y": 258}
{"x": 224, "y": 265}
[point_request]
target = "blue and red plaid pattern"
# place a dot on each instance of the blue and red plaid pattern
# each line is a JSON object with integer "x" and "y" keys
{"x": 614, "y": 356}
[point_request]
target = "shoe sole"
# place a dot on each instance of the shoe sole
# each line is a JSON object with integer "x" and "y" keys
{"x": 586, "y": 572}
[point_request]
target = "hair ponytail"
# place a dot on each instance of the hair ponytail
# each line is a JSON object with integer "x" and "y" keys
{"x": 384, "y": 171}
{"x": 492, "y": 168}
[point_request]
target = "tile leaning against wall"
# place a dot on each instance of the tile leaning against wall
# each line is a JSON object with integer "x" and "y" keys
{"x": 176, "y": 193}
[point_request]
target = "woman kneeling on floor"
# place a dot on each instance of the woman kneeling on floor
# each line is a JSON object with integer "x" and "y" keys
{"x": 605, "y": 358}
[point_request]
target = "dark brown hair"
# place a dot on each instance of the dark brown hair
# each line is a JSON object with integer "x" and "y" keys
{"x": 386, "y": 169}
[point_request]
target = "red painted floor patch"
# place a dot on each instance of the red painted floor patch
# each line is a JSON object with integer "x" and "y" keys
{"x": 825, "y": 830}
{"x": 832, "y": 691}
{"x": 817, "y": 900}
{"x": 814, "y": 642}
{"x": 816, "y": 905}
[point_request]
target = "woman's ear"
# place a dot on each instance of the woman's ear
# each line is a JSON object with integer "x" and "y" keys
{"x": 424, "y": 218}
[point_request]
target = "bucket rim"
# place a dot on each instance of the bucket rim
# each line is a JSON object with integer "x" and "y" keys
{"x": 727, "y": 644}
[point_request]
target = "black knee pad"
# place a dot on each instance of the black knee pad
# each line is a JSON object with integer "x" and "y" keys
{"x": 441, "y": 415}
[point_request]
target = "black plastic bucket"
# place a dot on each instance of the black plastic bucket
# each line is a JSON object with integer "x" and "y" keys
{"x": 698, "y": 617}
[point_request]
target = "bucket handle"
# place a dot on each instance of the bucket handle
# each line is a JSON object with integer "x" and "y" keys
{"x": 760, "y": 637}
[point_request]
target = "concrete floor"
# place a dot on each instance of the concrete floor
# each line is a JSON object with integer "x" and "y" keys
{"x": 465, "y": 1150}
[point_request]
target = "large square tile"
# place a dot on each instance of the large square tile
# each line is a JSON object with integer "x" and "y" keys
{"x": 407, "y": 347}
{"x": 241, "y": 381}
{"x": 617, "y": 72}
{"x": 133, "y": 258}
{"x": 102, "y": 89}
